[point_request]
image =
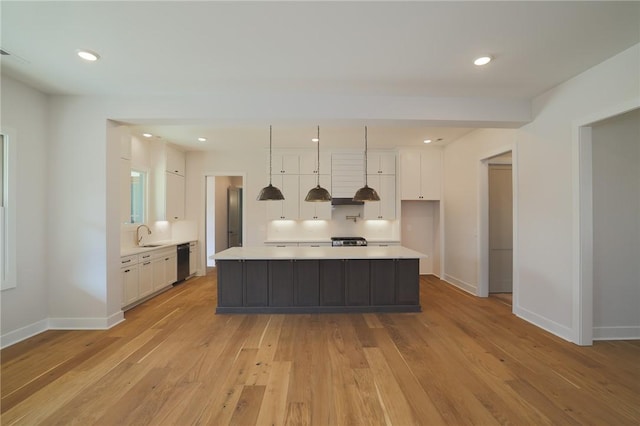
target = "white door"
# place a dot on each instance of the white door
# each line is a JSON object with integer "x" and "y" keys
{"x": 500, "y": 229}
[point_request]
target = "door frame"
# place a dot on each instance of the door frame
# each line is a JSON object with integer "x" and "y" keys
{"x": 582, "y": 244}
{"x": 483, "y": 220}
{"x": 204, "y": 234}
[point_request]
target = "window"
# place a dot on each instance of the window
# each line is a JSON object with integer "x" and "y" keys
{"x": 138, "y": 196}
{"x": 8, "y": 265}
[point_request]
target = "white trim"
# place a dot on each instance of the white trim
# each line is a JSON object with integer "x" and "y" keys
{"x": 582, "y": 244}
{"x": 81, "y": 323}
{"x": 616, "y": 333}
{"x": 483, "y": 216}
{"x": 23, "y": 333}
{"x": 115, "y": 319}
{"x": 9, "y": 268}
{"x": 544, "y": 323}
{"x": 203, "y": 214}
{"x": 462, "y": 285}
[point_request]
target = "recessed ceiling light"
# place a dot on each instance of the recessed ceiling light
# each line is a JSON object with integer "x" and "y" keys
{"x": 147, "y": 135}
{"x": 88, "y": 55}
{"x": 315, "y": 140}
{"x": 427, "y": 141}
{"x": 483, "y": 60}
{"x": 202, "y": 139}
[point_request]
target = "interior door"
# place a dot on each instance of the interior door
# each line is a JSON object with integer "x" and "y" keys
{"x": 500, "y": 229}
{"x": 234, "y": 217}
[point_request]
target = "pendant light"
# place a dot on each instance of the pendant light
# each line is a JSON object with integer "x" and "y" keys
{"x": 365, "y": 193}
{"x": 318, "y": 193}
{"x": 270, "y": 192}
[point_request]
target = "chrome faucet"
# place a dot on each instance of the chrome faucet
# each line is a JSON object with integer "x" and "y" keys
{"x": 138, "y": 232}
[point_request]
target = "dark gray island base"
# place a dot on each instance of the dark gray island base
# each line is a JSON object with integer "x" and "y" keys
{"x": 318, "y": 285}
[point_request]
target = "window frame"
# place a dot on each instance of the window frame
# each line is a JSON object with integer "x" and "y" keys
{"x": 8, "y": 225}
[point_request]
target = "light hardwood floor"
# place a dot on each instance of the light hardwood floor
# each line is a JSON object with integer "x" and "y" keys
{"x": 463, "y": 360}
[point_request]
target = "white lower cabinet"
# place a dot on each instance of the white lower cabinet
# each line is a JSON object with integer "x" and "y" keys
{"x": 145, "y": 278}
{"x": 193, "y": 257}
{"x": 144, "y": 274}
{"x": 130, "y": 279}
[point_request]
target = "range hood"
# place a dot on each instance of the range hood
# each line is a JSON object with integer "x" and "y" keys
{"x": 345, "y": 201}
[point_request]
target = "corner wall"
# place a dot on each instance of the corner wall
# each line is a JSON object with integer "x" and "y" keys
{"x": 24, "y": 308}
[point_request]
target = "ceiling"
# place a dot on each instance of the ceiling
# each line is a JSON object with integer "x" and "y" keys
{"x": 393, "y": 48}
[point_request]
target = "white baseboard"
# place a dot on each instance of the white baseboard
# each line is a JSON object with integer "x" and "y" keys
{"x": 552, "y": 327}
{"x": 31, "y": 330}
{"x": 469, "y": 288}
{"x": 78, "y": 323}
{"x": 23, "y": 333}
{"x": 616, "y": 333}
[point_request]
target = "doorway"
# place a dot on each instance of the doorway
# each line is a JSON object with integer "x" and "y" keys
{"x": 224, "y": 216}
{"x": 500, "y": 228}
{"x": 497, "y": 225}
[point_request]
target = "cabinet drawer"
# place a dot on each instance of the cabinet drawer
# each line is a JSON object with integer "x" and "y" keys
{"x": 165, "y": 252}
{"x": 129, "y": 260}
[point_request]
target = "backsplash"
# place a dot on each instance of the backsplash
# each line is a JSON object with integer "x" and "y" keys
{"x": 182, "y": 230}
{"x": 292, "y": 230}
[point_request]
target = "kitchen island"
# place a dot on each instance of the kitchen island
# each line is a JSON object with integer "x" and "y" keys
{"x": 318, "y": 279}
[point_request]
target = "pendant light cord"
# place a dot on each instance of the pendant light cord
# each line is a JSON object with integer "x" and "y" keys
{"x": 365, "y": 156}
{"x": 270, "y": 159}
{"x": 318, "y": 180}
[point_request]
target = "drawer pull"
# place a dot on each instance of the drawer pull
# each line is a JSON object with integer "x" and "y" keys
{"x": 126, "y": 261}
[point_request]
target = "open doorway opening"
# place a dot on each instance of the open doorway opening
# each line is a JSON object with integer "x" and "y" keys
{"x": 500, "y": 215}
{"x": 497, "y": 226}
{"x": 224, "y": 213}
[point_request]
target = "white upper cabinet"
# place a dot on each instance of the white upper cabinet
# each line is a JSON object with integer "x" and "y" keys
{"x": 309, "y": 163}
{"x": 168, "y": 182}
{"x": 421, "y": 174}
{"x": 175, "y": 161}
{"x": 289, "y": 207}
{"x": 385, "y": 186}
{"x": 382, "y": 163}
{"x": 314, "y": 210}
{"x": 284, "y": 164}
{"x": 175, "y": 197}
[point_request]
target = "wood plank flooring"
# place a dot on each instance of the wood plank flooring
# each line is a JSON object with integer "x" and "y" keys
{"x": 462, "y": 361}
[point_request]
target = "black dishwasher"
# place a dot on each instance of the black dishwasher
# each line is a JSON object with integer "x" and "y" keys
{"x": 183, "y": 262}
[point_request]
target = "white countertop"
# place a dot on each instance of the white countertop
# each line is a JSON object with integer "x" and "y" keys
{"x": 128, "y": 251}
{"x": 279, "y": 253}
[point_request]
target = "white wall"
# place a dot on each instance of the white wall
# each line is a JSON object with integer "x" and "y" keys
{"x": 421, "y": 232}
{"x": 616, "y": 227}
{"x": 461, "y": 202}
{"x": 546, "y": 188}
{"x": 25, "y": 114}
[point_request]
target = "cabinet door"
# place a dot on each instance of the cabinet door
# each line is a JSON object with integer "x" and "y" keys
{"x": 431, "y": 175}
{"x": 281, "y": 283}
{"x": 171, "y": 268}
{"x": 175, "y": 197}
{"x": 145, "y": 280}
{"x": 407, "y": 282}
{"x": 125, "y": 191}
{"x": 289, "y": 207}
{"x": 309, "y": 163}
{"x": 256, "y": 283}
{"x": 193, "y": 257}
{"x": 357, "y": 282}
{"x": 284, "y": 164}
{"x": 332, "y": 282}
{"x": 383, "y": 282}
{"x": 410, "y": 178}
{"x": 230, "y": 282}
{"x": 381, "y": 163}
{"x": 159, "y": 274}
{"x": 130, "y": 290}
{"x": 385, "y": 186}
{"x": 175, "y": 162}
{"x": 313, "y": 210}
{"x": 307, "y": 283}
